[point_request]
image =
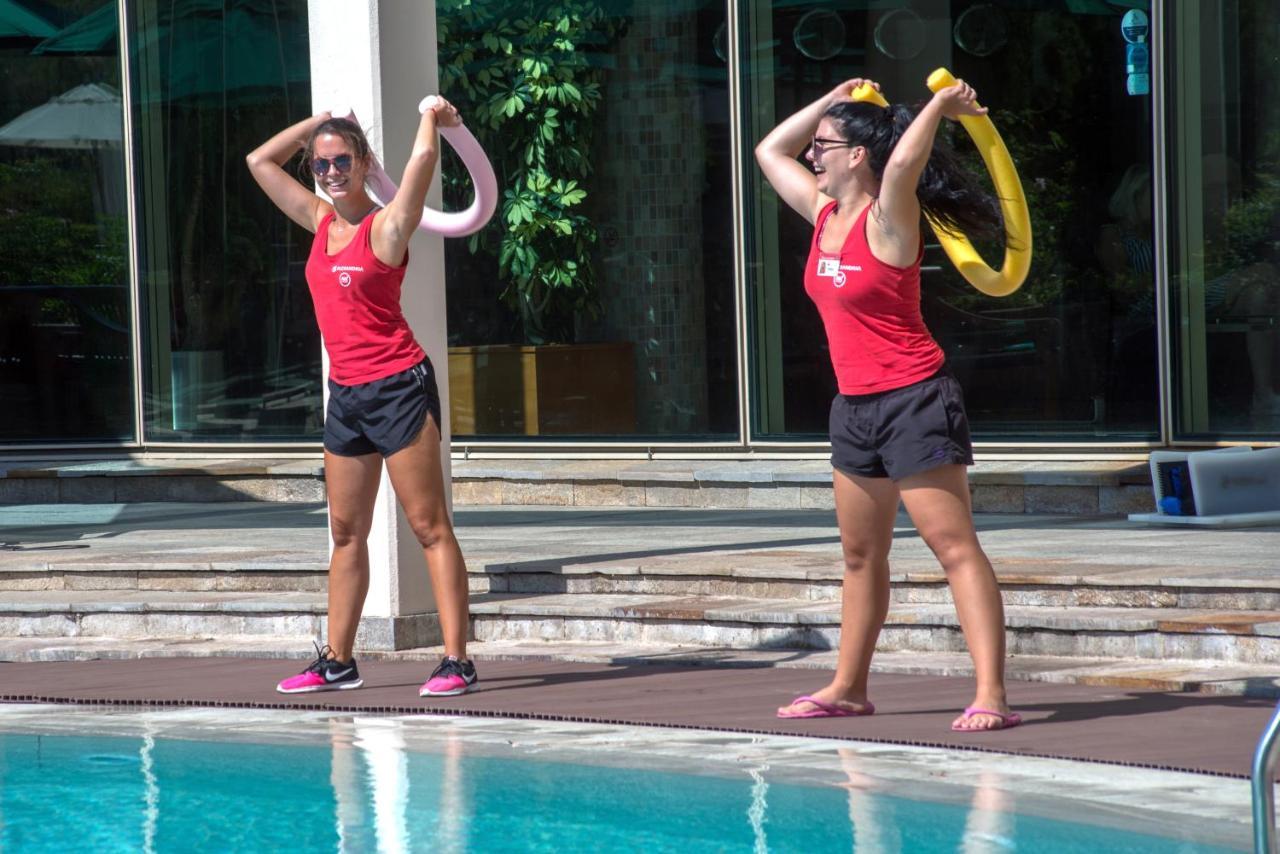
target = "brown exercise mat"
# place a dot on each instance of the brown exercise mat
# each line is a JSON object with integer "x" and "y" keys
{"x": 1192, "y": 732}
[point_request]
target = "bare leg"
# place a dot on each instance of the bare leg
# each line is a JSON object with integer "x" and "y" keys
{"x": 938, "y": 501}
{"x": 352, "y": 485}
{"x": 418, "y": 480}
{"x": 865, "y": 510}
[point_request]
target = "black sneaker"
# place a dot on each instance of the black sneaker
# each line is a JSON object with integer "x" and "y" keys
{"x": 451, "y": 678}
{"x": 323, "y": 674}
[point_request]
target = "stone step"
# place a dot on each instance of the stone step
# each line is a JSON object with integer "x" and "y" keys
{"x": 170, "y": 576}
{"x": 185, "y": 479}
{"x": 1207, "y": 677}
{"x": 806, "y": 576}
{"x": 1250, "y": 637}
{"x": 1055, "y": 486}
{"x": 1033, "y": 486}
{"x": 156, "y": 613}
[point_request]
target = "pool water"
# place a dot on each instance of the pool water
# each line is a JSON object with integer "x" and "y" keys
{"x": 101, "y": 794}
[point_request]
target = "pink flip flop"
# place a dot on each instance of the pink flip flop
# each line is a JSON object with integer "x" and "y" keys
{"x": 1008, "y": 721}
{"x": 823, "y": 709}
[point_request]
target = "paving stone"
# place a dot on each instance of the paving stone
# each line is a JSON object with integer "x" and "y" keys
{"x": 606, "y": 494}
{"x": 1123, "y": 500}
{"x": 724, "y": 497}
{"x": 818, "y": 498}
{"x": 298, "y": 490}
{"x": 536, "y": 493}
{"x": 775, "y": 497}
{"x": 1061, "y": 499}
{"x": 100, "y": 580}
{"x": 466, "y": 491}
{"x": 28, "y": 491}
{"x": 87, "y": 490}
{"x": 682, "y": 495}
{"x": 40, "y": 580}
{"x": 998, "y": 498}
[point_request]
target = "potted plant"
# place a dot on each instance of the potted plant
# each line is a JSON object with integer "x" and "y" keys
{"x": 522, "y": 74}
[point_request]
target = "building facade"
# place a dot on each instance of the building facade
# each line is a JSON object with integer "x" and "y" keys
{"x": 640, "y": 287}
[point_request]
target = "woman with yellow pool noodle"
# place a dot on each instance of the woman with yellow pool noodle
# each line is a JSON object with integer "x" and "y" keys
{"x": 898, "y": 426}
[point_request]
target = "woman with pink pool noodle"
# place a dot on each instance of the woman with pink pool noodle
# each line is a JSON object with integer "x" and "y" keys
{"x": 383, "y": 401}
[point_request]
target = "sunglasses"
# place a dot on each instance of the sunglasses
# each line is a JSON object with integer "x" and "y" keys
{"x": 342, "y": 163}
{"x": 820, "y": 145}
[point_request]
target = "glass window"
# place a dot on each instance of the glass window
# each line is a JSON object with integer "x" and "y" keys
{"x": 599, "y": 302}
{"x": 231, "y": 350}
{"x": 66, "y": 370}
{"x": 1073, "y": 352}
{"x": 1224, "y": 144}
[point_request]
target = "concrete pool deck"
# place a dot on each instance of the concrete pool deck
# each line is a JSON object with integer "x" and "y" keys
{"x": 1145, "y": 728}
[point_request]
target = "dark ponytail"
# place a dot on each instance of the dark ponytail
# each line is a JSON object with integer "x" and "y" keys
{"x": 949, "y": 193}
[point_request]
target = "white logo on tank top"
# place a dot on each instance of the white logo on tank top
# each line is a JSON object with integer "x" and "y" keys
{"x": 344, "y": 271}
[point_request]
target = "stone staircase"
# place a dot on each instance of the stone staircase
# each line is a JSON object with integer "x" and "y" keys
{"x": 1138, "y": 625}
{"x": 1088, "y": 599}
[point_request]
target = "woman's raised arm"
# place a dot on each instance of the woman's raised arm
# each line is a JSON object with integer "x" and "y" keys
{"x": 777, "y": 153}
{"x": 266, "y": 162}
{"x": 394, "y": 226}
{"x": 898, "y": 207}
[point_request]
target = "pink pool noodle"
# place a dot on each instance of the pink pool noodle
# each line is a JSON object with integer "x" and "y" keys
{"x": 458, "y": 224}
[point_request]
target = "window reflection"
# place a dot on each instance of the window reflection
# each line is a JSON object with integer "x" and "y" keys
{"x": 599, "y": 302}
{"x": 230, "y": 351}
{"x": 1225, "y": 235}
{"x": 65, "y": 322}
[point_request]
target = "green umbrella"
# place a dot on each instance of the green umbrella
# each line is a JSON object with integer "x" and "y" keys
{"x": 202, "y": 48}
{"x": 95, "y": 33}
{"x": 20, "y": 24}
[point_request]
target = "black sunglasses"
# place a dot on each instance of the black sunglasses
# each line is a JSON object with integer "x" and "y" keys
{"x": 320, "y": 165}
{"x": 820, "y": 145}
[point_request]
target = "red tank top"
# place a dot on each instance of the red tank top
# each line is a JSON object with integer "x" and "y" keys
{"x": 357, "y": 300}
{"x": 871, "y": 311}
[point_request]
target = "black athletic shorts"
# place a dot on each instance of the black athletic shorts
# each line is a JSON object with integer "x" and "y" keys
{"x": 903, "y": 431}
{"x": 382, "y": 416}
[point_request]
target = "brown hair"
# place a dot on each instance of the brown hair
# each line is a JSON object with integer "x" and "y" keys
{"x": 345, "y": 128}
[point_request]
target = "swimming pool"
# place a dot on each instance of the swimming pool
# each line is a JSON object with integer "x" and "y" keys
{"x": 219, "y": 780}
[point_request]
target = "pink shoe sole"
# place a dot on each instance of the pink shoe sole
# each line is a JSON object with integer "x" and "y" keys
{"x": 311, "y": 689}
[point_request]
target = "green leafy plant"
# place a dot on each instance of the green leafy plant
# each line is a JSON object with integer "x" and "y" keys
{"x": 521, "y": 73}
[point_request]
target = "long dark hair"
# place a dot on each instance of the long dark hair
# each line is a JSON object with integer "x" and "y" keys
{"x": 345, "y": 128}
{"x": 949, "y": 194}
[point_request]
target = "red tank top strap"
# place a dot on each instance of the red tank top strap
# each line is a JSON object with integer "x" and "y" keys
{"x": 821, "y": 225}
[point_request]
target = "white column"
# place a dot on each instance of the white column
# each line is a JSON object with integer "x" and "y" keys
{"x": 379, "y": 58}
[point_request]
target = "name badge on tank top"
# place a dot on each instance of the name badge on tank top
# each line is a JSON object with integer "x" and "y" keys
{"x": 830, "y": 268}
